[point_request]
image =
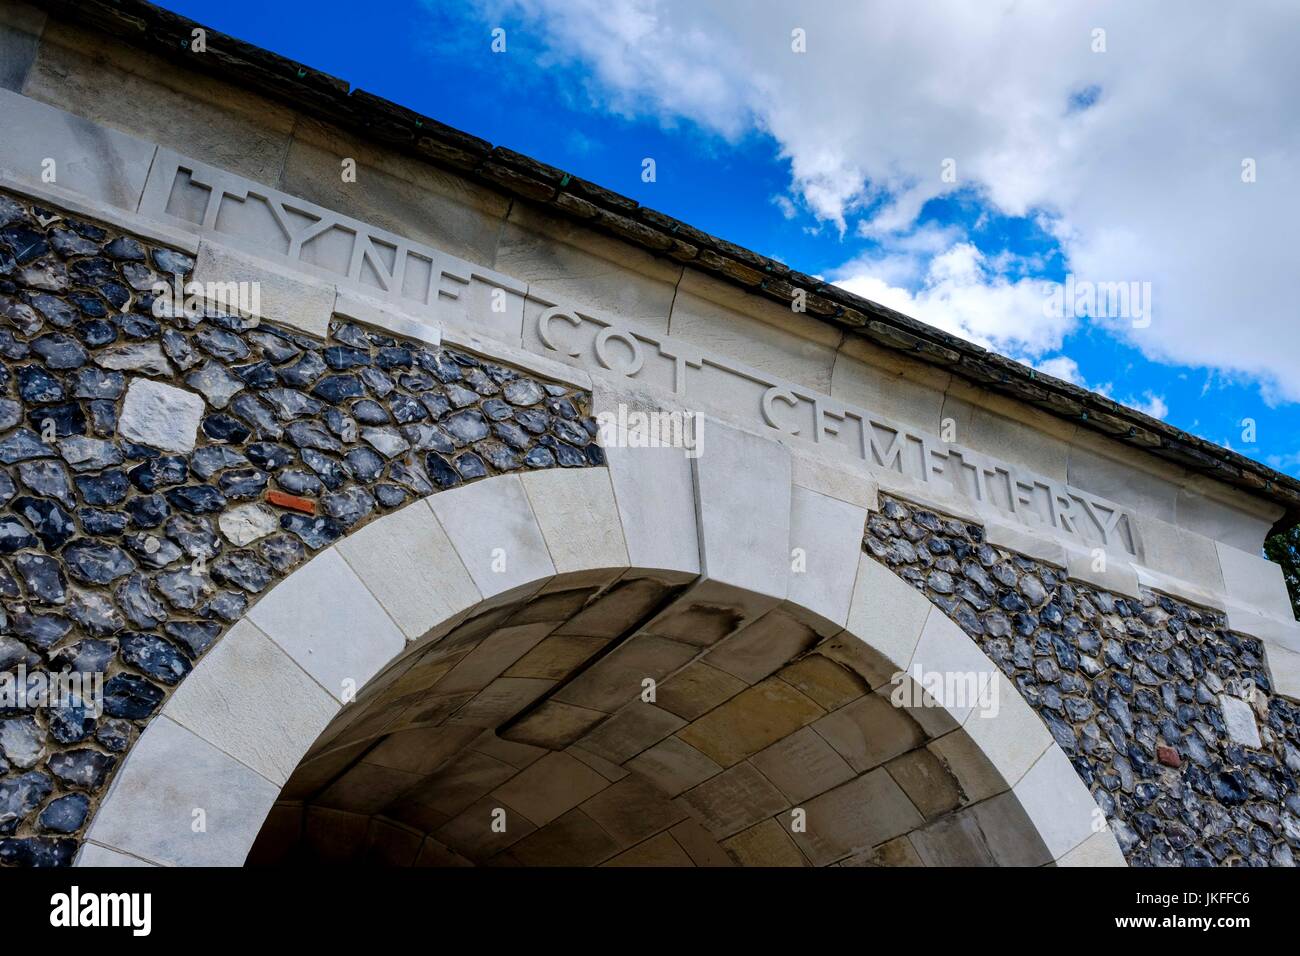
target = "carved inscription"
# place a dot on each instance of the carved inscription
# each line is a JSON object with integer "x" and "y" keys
{"x": 246, "y": 215}
{"x": 881, "y": 444}
{"x": 447, "y": 289}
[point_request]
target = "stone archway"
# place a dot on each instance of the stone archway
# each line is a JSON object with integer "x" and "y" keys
{"x": 675, "y": 571}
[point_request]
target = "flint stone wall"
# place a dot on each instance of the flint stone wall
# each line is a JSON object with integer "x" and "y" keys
{"x": 1166, "y": 715}
{"x": 158, "y": 474}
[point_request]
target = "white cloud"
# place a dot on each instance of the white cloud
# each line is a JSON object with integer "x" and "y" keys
{"x": 1150, "y": 403}
{"x": 961, "y": 294}
{"x": 1062, "y": 367}
{"x": 1143, "y": 184}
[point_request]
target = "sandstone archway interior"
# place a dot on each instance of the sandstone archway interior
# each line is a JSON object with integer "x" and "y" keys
{"x": 525, "y": 736}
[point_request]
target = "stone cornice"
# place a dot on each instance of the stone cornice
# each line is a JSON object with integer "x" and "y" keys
{"x": 331, "y": 99}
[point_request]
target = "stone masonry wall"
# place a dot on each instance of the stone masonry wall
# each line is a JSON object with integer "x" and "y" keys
{"x": 160, "y": 472}
{"x": 1151, "y": 700}
{"x": 157, "y": 474}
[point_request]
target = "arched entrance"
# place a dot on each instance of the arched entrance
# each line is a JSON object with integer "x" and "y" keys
{"x": 604, "y": 665}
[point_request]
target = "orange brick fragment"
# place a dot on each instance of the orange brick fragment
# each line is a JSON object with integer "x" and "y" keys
{"x": 282, "y": 499}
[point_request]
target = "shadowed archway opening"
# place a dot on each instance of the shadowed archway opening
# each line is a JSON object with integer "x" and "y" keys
{"x": 632, "y": 723}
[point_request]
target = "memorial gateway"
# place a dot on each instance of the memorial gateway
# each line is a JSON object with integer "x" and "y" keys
{"x": 469, "y": 513}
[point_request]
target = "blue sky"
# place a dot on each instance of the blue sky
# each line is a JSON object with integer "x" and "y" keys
{"x": 1072, "y": 162}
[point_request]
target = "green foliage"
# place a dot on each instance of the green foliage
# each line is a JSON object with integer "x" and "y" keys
{"x": 1285, "y": 550}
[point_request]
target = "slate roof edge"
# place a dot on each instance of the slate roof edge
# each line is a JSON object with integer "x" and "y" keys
{"x": 166, "y": 34}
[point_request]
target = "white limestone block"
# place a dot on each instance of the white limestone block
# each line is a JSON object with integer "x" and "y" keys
{"x": 1284, "y": 669}
{"x": 1038, "y": 544}
{"x": 408, "y": 562}
{"x": 1100, "y": 849}
{"x": 170, "y": 773}
{"x": 579, "y": 518}
{"x": 742, "y": 487}
{"x": 886, "y": 612}
{"x": 1240, "y": 720}
{"x": 654, "y": 486}
{"x": 1254, "y": 581}
{"x": 92, "y": 854}
{"x": 1112, "y": 570}
{"x": 251, "y": 701}
{"x": 827, "y": 534}
{"x": 327, "y": 621}
{"x": 492, "y": 526}
{"x": 1273, "y": 631}
{"x": 160, "y": 416}
{"x": 1010, "y": 732}
{"x": 1177, "y": 552}
{"x": 1057, "y": 802}
{"x": 948, "y": 658}
{"x": 93, "y": 160}
{"x": 287, "y": 295}
{"x": 834, "y": 478}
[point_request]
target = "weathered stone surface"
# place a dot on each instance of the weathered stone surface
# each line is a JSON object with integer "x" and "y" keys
{"x": 196, "y": 499}
{"x": 160, "y": 472}
{"x": 318, "y": 532}
{"x": 60, "y": 351}
{"x": 22, "y": 742}
{"x": 22, "y": 445}
{"x": 172, "y": 262}
{"x": 349, "y": 505}
{"x": 466, "y": 426}
{"x": 94, "y": 611}
{"x": 161, "y": 415}
{"x": 210, "y": 459}
{"x": 1240, "y": 721}
{"x": 198, "y": 636}
{"x": 96, "y": 563}
{"x": 386, "y": 441}
{"x": 20, "y": 795}
{"x": 51, "y": 523}
{"x": 96, "y": 383}
{"x": 242, "y": 569}
{"x": 523, "y": 392}
{"x": 42, "y": 578}
{"x": 90, "y": 454}
{"x": 154, "y": 656}
{"x": 258, "y": 414}
{"x": 244, "y": 524}
{"x": 144, "y": 357}
{"x": 217, "y": 385}
{"x": 11, "y": 413}
{"x": 39, "y": 386}
{"x": 66, "y": 814}
{"x": 131, "y": 697}
{"x": 221, "y": 344}
{"x": 87, "y": 769}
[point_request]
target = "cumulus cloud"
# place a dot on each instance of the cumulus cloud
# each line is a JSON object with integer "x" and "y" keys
{"x": 1133, "y": 157}
{"x": 1154, "y": 405}
{"x": 1062, "y": 367}
{"x": 960, "y": 293}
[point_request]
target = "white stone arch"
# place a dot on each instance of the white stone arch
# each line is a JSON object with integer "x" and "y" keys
{"x": 724, "y": 525}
